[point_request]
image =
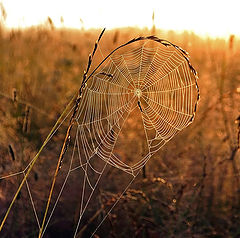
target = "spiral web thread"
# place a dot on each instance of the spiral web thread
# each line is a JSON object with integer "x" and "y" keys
{"x": 156, "y": 81}
{"x": 159, "y": 82}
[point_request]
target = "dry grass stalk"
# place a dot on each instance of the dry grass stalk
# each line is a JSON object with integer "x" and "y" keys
{"x": 26, "y": 121}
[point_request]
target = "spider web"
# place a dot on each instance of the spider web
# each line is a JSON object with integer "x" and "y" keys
{"x": 154, "y": 85}
{"x": 138, "y": 99}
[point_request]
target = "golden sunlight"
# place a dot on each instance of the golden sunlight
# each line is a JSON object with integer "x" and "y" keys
{"x": 207, "y": 18}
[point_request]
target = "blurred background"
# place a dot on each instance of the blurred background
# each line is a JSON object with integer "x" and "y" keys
{"x": 191, "y": 187}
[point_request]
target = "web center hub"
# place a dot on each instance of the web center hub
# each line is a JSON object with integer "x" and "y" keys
{"x": 138, "y": 92}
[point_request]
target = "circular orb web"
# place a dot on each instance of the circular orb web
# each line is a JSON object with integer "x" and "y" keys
{"x": 141, "y": 96}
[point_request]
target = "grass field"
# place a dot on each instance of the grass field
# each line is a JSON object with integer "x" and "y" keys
{"x": 191, "y": 187}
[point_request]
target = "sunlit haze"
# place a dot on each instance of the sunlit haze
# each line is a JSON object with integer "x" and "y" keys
{"x": 205, "y": 17}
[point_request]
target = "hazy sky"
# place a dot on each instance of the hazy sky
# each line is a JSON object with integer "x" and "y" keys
{"x": 211, "y": 17}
